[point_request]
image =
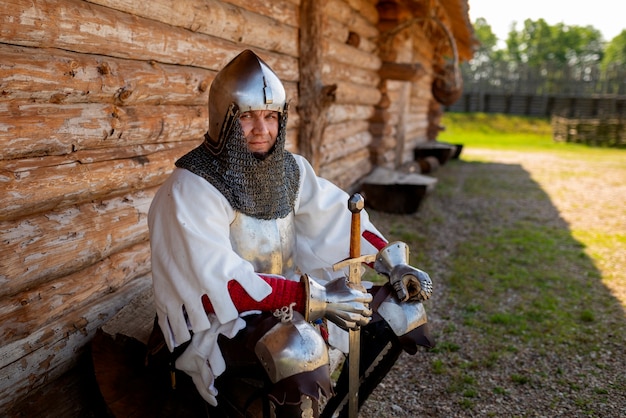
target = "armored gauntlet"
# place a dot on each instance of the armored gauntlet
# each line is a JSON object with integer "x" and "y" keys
{"x": 346, "y": 307}
{"x": 410, "y": 283}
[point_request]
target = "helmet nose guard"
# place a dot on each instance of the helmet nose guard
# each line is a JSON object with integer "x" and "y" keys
{"x": 246, "y": 83}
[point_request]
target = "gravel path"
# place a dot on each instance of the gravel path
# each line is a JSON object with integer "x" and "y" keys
{"x": 592, "y": 383}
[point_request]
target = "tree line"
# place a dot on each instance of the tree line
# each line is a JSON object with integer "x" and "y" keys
{"x": 543, "y": 59}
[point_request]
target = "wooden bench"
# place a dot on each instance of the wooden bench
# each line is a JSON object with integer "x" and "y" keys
{"x": 394, "y": 191}
{"x": 432, "y": 154}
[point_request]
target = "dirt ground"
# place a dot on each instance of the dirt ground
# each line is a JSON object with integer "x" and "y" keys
{"x": 586, "y": 196}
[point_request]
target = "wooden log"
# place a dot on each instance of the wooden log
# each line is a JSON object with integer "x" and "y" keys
{"x": 56, "y": 76}
{"x": 392, "y": 11}
{"x": 367, "y": 45}
{"x": 365, "y": 8}
{"x": 47, "y": 353}
{"x": 380, "y": 116}
{"x": 352, "y": 18}
{"x": 42, "y": 248}
{"x": 285, "y": 11}
{"x": 216, "y": 18}
{"x": 315, "y": 96}
{"x": 418, "y": 110}
{"x": 413, "y": 141}
{"x": 43, "y": 184}
{"x": 334, "y": 71}
{"x": 414, "y": 124}
{"x": 415, "y": 137}
{"x": 350, "y": 93}
{"x": 37, "y": 307}
{"x": 79, "y": 26}
{"x": 378, "y": 129}
{"x": 345, "y": 146}
{"x": 334, "y": 29}
{"x": 347, "y": 54}
{"x": 401, "y": 71}
{"x": 338, "y": 131}
{"x": 393, "y": 95}
{"x": 337, "y": 113}
{"x": 31, "y": 130}
{"x": 384, "y": 102}
{"x": 346, "y": 171}
{"x": 390, "y": 142}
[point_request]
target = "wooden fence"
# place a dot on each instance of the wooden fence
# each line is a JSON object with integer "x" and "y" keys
{"x": 596, "y": 131}
{"x": 541, "y": 105}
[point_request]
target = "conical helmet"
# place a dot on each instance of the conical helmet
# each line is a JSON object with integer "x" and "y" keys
{"x": 246, "y": 83}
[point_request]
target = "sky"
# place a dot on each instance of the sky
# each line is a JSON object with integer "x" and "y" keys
{"x": 604, "y": 15}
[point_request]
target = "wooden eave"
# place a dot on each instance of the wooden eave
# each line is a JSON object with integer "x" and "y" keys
{"x": 458, "y": 12}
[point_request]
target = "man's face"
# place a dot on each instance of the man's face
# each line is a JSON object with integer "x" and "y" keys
{"x": 260, "y": 127}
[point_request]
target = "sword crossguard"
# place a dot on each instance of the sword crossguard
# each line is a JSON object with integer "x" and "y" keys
{"x": 349, "y": 262}
{"x": 354, "y": 265}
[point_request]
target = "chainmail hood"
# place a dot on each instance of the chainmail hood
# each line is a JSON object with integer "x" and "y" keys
{"x": 264, "y": 189}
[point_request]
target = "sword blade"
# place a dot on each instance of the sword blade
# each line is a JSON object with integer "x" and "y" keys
{"x": 353, "y": 373}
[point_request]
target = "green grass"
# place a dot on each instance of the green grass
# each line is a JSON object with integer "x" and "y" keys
{"x": 498, "y": 131}
{"x": 537, "y": 265}
{"x": 521, "y": 275}
{"x": 512, "y": 132}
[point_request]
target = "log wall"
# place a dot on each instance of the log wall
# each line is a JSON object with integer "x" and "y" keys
{"x": 413, "y": 47}
{"x": 98, "y": 98}
{"x": 350, "y": 62}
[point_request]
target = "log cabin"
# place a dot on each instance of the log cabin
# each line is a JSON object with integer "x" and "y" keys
{"x": 98, "y": 98}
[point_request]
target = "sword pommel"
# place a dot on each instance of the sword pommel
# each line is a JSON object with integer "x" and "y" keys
{"x": 356, "y": 203}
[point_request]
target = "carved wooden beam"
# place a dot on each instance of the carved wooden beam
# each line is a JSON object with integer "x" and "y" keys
{"x": 401, "y": 71}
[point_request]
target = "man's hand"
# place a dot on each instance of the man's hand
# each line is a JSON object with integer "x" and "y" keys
{"x": 411, "y": 284}
{"x": 346, "y": 307}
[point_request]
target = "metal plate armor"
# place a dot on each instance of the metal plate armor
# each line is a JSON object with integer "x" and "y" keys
{"x": 268, "y": 244}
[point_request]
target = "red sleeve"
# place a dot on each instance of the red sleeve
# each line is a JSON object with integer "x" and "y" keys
{"x": 284, "y": 292}
{"x": 377, "y": 241}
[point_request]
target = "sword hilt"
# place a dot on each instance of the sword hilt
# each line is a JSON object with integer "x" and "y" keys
{"x": 355, "y": 205}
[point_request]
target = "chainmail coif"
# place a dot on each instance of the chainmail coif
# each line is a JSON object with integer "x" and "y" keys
{"x": 264, "y": 189}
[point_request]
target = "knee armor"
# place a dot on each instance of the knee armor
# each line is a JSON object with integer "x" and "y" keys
{"x": 291, "y": 347}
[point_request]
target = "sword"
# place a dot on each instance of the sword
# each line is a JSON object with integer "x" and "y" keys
{"x": 355, "y": 205}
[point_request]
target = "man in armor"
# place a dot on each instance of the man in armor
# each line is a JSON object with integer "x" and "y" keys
{"x": 244, "y": 235}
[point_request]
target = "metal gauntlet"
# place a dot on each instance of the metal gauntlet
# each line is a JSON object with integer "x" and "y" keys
{"x": 346, "y": 307}
{"x": 410, "y": 283}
